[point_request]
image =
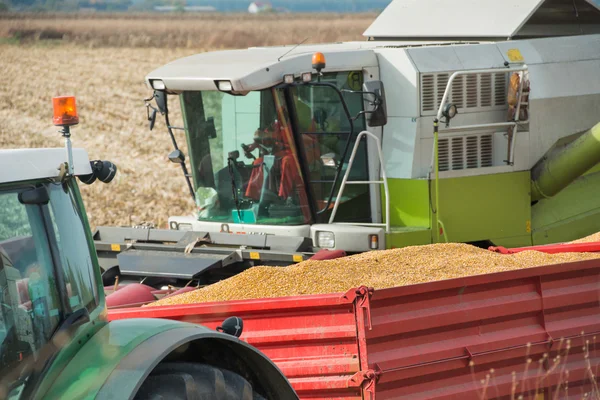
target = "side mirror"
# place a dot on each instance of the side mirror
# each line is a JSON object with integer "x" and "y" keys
{"x": 209, "y": 128}
{"x": 152, "y": 118}
{"x": 105, "y": 171}
{"x": 375, "y": 107}
{"x": 161, "y": 100}
{"x": 177, "y": 157}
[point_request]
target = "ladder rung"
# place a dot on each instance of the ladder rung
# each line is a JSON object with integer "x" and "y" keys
{"x": 363, "y": 182}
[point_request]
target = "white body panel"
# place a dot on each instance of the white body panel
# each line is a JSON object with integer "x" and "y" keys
{"x": 204, "y": 226}
{"x": 27, "y": 164}
{"x": 463, "y": 18}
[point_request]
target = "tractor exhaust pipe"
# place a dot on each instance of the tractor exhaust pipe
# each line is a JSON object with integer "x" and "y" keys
{"x": 557, "y": 170}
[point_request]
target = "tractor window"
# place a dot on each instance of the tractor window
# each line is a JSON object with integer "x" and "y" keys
{"x": 73, "y": 249}
{"x": 30, "y": 306}
{"x": 326, "y": 131}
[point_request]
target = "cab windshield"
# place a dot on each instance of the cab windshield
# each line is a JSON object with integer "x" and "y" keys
{"x": 46, "y": 272}
{"x": 244, "y": 160}
{"x": 245, "y": 163}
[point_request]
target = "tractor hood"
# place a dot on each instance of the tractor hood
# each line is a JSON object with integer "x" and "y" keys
{"x": 257, "y": 68}
{"x": 485, "y": 19}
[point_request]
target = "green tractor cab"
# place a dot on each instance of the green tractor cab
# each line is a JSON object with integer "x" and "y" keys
{"x": 55, "y": 338}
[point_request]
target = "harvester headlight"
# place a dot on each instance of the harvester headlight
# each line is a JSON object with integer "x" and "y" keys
{"x": 225, "y": 86}
{"x": 306, "y": 77}
{"x": 289, "y": 79}
{"x": 325, "y": 240}
{"x": 173, "y": 225}
{"x": 157, "y": 84}
{"x": 449, "y": 111}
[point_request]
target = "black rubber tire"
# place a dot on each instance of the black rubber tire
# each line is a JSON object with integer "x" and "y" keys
{"x": 187, "y": 381}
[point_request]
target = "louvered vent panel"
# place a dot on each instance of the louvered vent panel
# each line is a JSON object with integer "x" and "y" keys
{"x": 471, "y": 91}
{"x": 458, "y": 156}
{"x": 442, "y": 81}
{"x": 457, "y": 92}
{"x": 486, "y": 150}
{"x": 427, "y": 93}
{"x": 467, "y": 91}
{"x": 443, "y": 155}
{"x": 499, "y": 89}
{"x": 485, "y": 90}
{"x": 458, "y": 153}
{"x": 472, "y": 152}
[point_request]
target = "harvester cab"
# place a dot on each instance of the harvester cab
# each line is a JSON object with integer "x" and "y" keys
{"x": 55, "y": 339}
{"x": 435, "y": 129}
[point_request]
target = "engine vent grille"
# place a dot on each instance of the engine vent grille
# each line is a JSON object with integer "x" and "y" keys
{"x": 473, "y": 91}
{"x": 465, "y": 152}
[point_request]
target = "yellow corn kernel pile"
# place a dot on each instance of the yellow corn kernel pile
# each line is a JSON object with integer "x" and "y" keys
{"x": 588, "y": 239}
{"x": 379, "y": 269}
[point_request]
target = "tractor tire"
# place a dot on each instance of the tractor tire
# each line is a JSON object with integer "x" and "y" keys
{"x": 187, "y": 381}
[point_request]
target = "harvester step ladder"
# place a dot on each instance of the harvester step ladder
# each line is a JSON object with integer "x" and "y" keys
{"x": 383, "y": 182}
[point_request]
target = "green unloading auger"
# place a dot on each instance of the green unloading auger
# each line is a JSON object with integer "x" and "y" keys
{"x": 557, "y": 170}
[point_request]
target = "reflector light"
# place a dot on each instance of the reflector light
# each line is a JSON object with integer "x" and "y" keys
{"x": 288, "y": 78}
{"x": 65, "y": 111}
{"x": 374, "y": 242}
{"x": 318, "y": 61}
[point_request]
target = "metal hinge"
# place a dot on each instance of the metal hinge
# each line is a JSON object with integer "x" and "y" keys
{"x": 362, "y": 297}
{"x": 367, "y": 380}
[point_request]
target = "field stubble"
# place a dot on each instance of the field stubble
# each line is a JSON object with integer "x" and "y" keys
{"x": 103, "y": 63}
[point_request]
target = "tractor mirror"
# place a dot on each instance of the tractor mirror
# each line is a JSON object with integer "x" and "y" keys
{"x": 152, "y": 118}
{"x": 375, "y": 105}
{"x": 177, "y": 157}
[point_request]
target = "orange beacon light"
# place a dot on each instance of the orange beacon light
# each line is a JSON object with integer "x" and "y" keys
{"x": 65, "y": 111}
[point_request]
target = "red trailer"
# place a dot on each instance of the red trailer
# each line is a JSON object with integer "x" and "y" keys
{"x": 529, "y": 332}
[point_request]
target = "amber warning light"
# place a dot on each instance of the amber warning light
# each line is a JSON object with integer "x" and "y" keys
{"x": 318, "y": 61}
{"x": 65, "y": 111}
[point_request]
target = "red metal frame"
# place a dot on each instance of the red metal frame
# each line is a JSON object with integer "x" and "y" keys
{"x": 593, "y": 247}
{"x": 418, "y": 341}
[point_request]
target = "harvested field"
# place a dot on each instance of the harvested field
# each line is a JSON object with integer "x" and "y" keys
{"x": 378, "y": 269}
{"x": 107, "y": 78}
{"x": 193, "y": 31}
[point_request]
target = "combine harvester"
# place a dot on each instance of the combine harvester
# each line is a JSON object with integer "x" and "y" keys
{"x": 514, "y": 163}
{"x": 56, "y": 341}
{"x": 486, "y": 133}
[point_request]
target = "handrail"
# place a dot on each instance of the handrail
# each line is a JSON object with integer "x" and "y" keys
{"x": 383, "y": 181}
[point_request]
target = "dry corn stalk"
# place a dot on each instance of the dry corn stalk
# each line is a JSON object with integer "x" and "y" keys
{"x": 379, "y": 269}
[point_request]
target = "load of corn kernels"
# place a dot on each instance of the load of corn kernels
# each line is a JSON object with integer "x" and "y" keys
{"x": 378, "y": 269}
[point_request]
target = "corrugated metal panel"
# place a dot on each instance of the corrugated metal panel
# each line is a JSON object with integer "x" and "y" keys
{"x": 312, "y": 339}
{"x": 453, "y": 339}
{"x": 424, "y": 337}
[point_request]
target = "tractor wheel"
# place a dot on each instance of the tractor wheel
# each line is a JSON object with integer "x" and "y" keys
{"x": 185, "y": 381}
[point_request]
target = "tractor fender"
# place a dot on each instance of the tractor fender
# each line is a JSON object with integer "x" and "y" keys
{"x": 114, "y": 363}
